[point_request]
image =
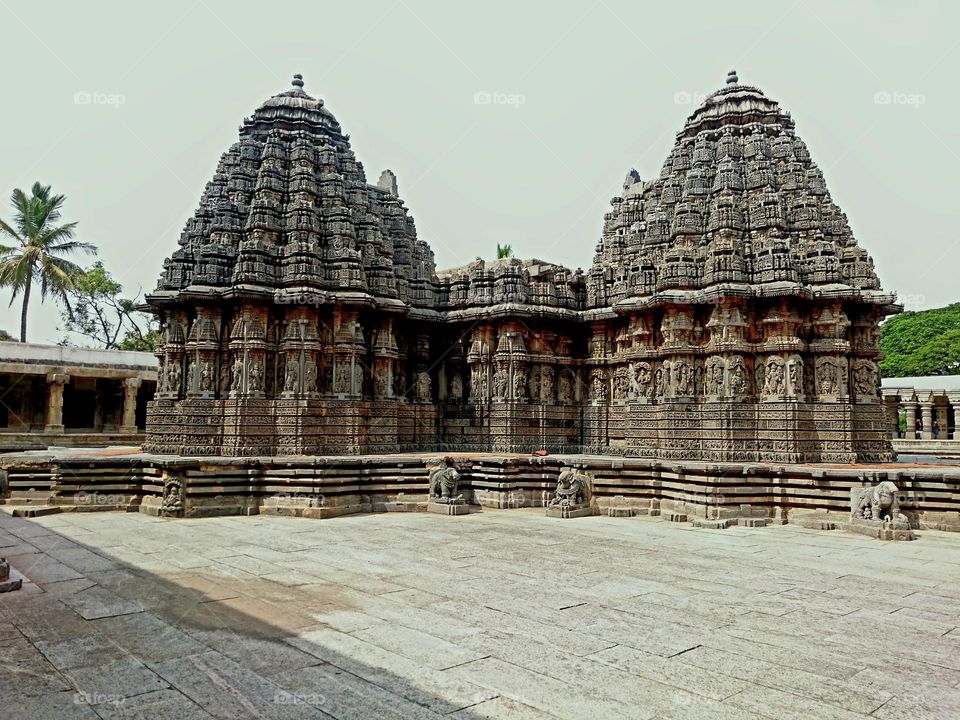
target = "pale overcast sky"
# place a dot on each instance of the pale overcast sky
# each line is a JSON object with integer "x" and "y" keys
{"x": 126, "y": 107}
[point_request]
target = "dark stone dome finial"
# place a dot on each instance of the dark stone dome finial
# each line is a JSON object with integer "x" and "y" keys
{"x": 297, "y": 81}
{"x": 732, "y": 77}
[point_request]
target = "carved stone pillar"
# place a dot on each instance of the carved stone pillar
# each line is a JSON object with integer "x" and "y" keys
{"x": 130, "y": 388}
{"x": 926, "y": 411}
{"x": 479, "y": 360}
{"x": 953, "y": 402}
{"x": 348, "y": 349}
{"x": 55, "y": 383}
{"x": 248, "y": 348}
{"x": 911, "y": 410}
{"x": 892, "y": 404}
{"x": 385, "y": 354}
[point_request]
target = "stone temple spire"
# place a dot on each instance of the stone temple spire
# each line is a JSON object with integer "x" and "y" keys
{"x": 732, "y": 78}
{"x": 297, "y": 81}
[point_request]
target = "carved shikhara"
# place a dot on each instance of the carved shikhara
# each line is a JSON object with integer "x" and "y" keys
{"x": 729, "y": 314}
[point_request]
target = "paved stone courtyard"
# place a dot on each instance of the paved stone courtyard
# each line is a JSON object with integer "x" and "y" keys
{"x": 501, "y": 614}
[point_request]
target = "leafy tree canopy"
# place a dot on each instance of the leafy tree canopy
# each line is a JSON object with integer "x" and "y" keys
{"x": 96, "y": 309}
{"x": 921, "y": 343}
{"x": 504, "y": 251}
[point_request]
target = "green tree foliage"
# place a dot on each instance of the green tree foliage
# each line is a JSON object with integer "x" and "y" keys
{"x": 39, "y": 249}
{"x": 144, "y": 343}
{"x": 504, "y": 251}
{"x": 96, "y": 309}
{"x": 921, "y": 343}
{"x": 6, "y": 337}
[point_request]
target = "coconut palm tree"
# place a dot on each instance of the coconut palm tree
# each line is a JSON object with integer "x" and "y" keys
{"x": 38, "y": 249}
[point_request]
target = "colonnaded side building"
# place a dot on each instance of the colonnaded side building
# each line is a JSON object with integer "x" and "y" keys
{"x": 729, "y": 314}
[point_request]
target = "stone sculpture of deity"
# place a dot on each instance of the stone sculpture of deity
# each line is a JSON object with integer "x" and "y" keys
{"x": 310, "y": 376}
{"x": 423, "y": 387}
{"x": 256, "y": 376}
{"x": 456, "y": 387}
{"x": 548, "y": 393}
{"x": 292, "y": 375}
{"x": 237, "y": 373}
{"x": 519, "y": 385}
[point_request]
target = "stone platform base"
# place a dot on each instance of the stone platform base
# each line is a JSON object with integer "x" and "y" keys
{"x": 881, "y": 530}
{"x": 448, "y": 508}
{"x": 718, "y": 494}
{"x": 622, "y": 512}
{"x": 569, "y": 512}
{"x": 713, "y": 524}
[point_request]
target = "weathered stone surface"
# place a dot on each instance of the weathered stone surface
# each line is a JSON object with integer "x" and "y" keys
{"x": 634, "y": 618}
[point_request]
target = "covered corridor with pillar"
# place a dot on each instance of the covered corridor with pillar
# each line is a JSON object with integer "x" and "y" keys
{"x": 923, "y": 413}
{"x": 51, "y": 395}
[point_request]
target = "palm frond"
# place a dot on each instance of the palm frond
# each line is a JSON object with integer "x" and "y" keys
{"x": 48, "y": 236}
{"x": 5, "y": 229}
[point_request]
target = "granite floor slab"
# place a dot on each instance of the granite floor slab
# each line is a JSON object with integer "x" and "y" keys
{"x": 496, "y": 614}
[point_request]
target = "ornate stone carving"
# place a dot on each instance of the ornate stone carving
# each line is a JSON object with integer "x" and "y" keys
{"x": 774, "y": 379}
{"x": 310, "y": 376}
{"x": 599, "y": 386}
{"x": 444, "y": 481}
{"x": 520, "y": 385}
{"x": 878, "y": 502}
{"x": 172, "y": 502}
{"x": 714, "y": 376}
{"x": 865, "y": 379}
{"x": 571, "y": 490}
{"x": 641, "y": 379}
{"x": 683, "y": 377}
{"x": 236, "y": 382}
{"x": 424, "y": 390}
{"x": 621, "y": 383}
{"x": 255, "y": 382}
{"x": 565, "y": 388}
{"x": 795, "y": 375}
{"x": 737, "y": 377}
{"x": 548, "y": 392}
{"x": 291, "y": 380}
{"x": 456, "y": 387}
{"x": 500, "y": 385}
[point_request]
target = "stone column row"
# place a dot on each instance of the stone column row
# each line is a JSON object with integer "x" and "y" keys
{"x": 925, "y": 409}
{"x": 54, "y": 416}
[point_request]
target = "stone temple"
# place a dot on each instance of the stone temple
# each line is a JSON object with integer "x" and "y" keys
{"x": 729, "y": 314}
